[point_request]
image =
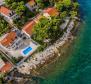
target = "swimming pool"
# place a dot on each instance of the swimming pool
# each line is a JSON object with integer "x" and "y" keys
{"x": 27, "y": 51}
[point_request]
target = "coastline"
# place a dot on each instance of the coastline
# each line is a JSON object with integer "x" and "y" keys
{"x": 48, "y": 55}
{"x": 41, "y": 63}
{"x": 60, "y": 61}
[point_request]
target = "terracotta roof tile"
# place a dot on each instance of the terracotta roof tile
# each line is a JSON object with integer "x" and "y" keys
{"x": 4, "y": 10}
{"x": 28, "y": 27}
{"x": 6, "y": 67}
{"x": 51, "y": 11}
{"x": 8, "y": 39}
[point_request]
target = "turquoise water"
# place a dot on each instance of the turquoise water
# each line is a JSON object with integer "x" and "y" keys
{"x": 27, "y": 51}
{"x": 78, "y": 70}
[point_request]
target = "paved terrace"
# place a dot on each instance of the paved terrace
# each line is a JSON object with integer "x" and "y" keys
{"x": 14, "y": 42}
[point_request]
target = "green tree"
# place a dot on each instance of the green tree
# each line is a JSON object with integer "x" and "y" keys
{"x": 63, "y": 14}
{"x": 40, "y": 31}
{"x": 54, "y": 29}
{"x": 73, "y": 14}
{"x": 4, "y": 27}
{"x": 47, "y": 29}
{"x": 67, "y": 3}
{"x": 20, "y": 7}
{"x": 8, "y": 2}
{"x": 1, "y": 77}
{"x": 17, "y": 6}
{"x": 75, "y": 5}
{"x": 59, "y": 5}
{"x": 40, "y": 4}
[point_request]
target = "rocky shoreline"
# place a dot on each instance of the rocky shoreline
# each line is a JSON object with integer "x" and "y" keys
{"x": 50, "y": 53}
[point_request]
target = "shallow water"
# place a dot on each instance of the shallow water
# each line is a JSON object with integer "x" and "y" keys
{"x": 78, "y": 69}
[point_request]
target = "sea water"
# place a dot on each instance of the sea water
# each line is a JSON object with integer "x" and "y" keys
{"x": 78, "y": 70}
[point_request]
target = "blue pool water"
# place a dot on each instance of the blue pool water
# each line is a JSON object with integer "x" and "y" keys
{"x": 27, "y": 51}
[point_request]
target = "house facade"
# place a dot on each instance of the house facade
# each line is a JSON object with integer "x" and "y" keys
{"x": 15, "y": 44}
{"x": 28, "y": 27}
{"x": 1, "y": 2}
{"x": 5, "y": 66}
{"x": 8, "y": 14}
{"x": 47, "y": 13}
{"x": 31, "y": 5}
{"x": 50, "y": 12}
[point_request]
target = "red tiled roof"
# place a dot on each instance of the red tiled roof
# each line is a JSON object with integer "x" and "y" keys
{"x": 6, "y": 67}
{"x": 51, "y": 11}
{"x": 4, "y": 10}
{"x": 28, "y": 27}
{"x": 8, "y": 39}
